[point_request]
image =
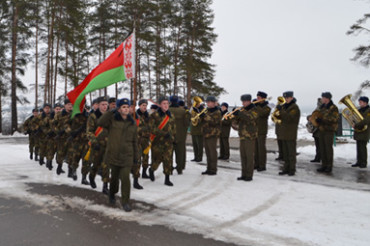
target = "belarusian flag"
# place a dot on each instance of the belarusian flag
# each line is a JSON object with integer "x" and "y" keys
{"x": 119, "y": 66}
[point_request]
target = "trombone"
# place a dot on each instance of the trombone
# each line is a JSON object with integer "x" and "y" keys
{"x": 230, "y": 115}
{"x": 195, "y": 119}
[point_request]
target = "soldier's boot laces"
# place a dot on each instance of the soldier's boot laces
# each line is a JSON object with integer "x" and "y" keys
{"x": 151, "y": 174}
{"x": 31, "y": 156}
{"x": 167, "y": 181}
{"x": 92, "y": 181}
{"x": 105, "y": 188}
{"x": 84, "y": 180}
{"x": 74, "y": 175}
{"x": 70, "y": 172}
{"x": 137, "y": 185}
{"x": 144, "y": 175}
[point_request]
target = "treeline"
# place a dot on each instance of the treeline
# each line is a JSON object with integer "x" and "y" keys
{"x": 64, "y": 39}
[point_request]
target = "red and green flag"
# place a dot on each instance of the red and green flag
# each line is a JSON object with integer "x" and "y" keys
{"x": 119, "y": 66}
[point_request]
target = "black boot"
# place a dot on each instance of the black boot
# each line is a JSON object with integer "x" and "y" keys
{"x": 321, "y": 169}
{"x": 36, "y": 157}
{"x": 74, "y": 175}
{"x": 151, "y": 174}
{"x": 105, "y": 188}
{"x": 59, "y": 169}
{"x": 70, "y": 171}
{"x": 41, "y": 161}
{"x": 112, "y": 199}
{"x": 92, "y": 181}
{"x": 84, "y": 180}
{"x": 144, "y": 175}
{"x": 49, "y": 165}
{"x": 137, "y": 185}
{"x": 127, "y": 207}
{"x": 167, "y": 181}
{"x": 31, "y": 156}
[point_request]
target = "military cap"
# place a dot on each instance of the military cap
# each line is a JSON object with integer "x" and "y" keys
{"x": 211, "y": 99}
{"x": 102, "y": 99}
{"x": 95, "y": 101}
{"x": 225, "y": 104}
{"x": 246, "y": 97}
{"x": 174, "y": 99}
{"x": 87, "y": 107}
{"x": 181, "y": 103}
{"x": 58, "y": 105}
{"x": 288, "y": 94}
{"x": 66, "y": 101}
{"x": 35, "y": 110}
{"x": 364, "y": 99}
{"x": 154, "y": 106}
{"x": 141, "y": 101}
{"x": 47, "y": 105}
{"x": 112, "y": 100}
{"x": 161, "y": 99}
{"x": 123, "y": 101}
{"x": 326, "y": 95}
{"x": 40, "y": 110}
{"x": 262, "y": 94}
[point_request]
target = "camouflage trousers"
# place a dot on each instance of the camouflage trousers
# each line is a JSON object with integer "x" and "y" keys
{"x": 78, "y": 151}
{"x": 97, "y": 158}
{"x": 143, "y": 158}
{"x": 62, "y": 151}
{"x": 51, "y": 149}
{"x": 43, "y": 143}
{"x": 32, "y": 144}
{"x": 162, "y": 153}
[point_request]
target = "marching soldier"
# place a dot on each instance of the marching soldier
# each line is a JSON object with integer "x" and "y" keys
{"x": 328, "y": 124}
{"x": 98, "y": 140}
{"x": 211, "y": 125}
{"x": 362, "y": 137}
{"x": 27, "y": 127}
{"x": 122, "y": 149}
{"x": 246, "y": 118}
{"x": 143, "y": 142}
{"x": 63, "y": 128}
{"x": 290, "y": 115}
{"x": 162, "y": 126}
{"x": 225, "y": 134}
{"x": 182, "y": 123}
{"x": 112, "y": 103}
{"x": 153, "y": 108}
{"x": 94, "y": 106}
{"x": 263, "y": 111}
{"x": 41, "y": 133}
{"x": 197, "y": 134}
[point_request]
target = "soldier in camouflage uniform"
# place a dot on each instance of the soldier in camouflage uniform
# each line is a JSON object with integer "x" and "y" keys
{"x": 182, "y": 120}
{"x": 98, "y": 145}
{"x": 211, "y": 125}
{"x": 328, "y": 124}
{"x": 112, "y": 103}
{"x": 246, "y": 119}
{"x": 362, "y": 137}
{"x": 27, "y": 127}
{"x": 41, "y": 132}
{"x": 51, "y": 134}
{"x": 162, "y": 145}
{"x": 263, "y": 111}
{"x": 225, "y": 134}
{"x": 290, "y": 115}
{"x": 63, "y": 129}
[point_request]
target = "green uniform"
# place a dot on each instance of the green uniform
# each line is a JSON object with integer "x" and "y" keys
{"x": 197, "y": 136}
{"x": 260, "y": 154}
{"x": 98, "y": 145}
{"x": 211, "y": 125}
{"x": 143, "y": 132}
{"x": 41, "y": 134}
{"x": 290, "y": 115}
{"x": 362, "y": 137}
{"x": 246, "y": 120}
{"x": 51, "y": 134}
{"x": 162, "y": 146}
{"x": 63, "y": 129}
{"x": 27, "y": 127}
{"x": 182, "y": 123}
{"x": 327, "y": 127}
{"x": 279, "y": 141}
{"x": 121, "y": 151}
{"x": 33, "y": 127}
{"x": 224, "y": 137}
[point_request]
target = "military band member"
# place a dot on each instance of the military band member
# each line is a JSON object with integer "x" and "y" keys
{"x": 225, "y": 134}
{"x": 162, "y": 126}
{"x": 362, "y": 138}
{"x": 316, "y": 135}
{"x": 27, "y": 127}
{"x": 112, "y": 103}
{"x": 246, "y": 119}
{"x": 263, "y": 111}
{"x": 290, "y": 115}
{"x": 279, "y": 142}
{"x": 122, "y": 149}
{"x": 328, "y": 124}
{"x": 211, "y": 128}
{"x": 197, "y": 134}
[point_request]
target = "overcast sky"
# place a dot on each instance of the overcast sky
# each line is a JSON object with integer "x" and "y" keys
{"x": 298, "y": 45}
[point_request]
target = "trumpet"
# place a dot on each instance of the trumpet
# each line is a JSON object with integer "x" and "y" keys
{"x": 351, "y": 114}
{"x": 276, "y": 114}
{"x": 230, "y": 115}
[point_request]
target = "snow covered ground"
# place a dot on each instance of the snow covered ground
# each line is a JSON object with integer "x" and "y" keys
{"x": 307, "y": 209}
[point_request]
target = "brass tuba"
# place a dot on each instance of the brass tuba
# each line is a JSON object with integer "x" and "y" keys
{"x": 195, "y": 119}
{"x": 351, "y": 114}
{"x": 275, "y": 116}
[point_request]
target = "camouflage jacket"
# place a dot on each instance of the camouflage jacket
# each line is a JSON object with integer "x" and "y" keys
{"x": 181, "y": 121}
{"x": 92, "y": 125}
{"x": 225, "y": 126}
{"x": 290, "y": 115}
{"x": 78, "y": 127}
{"x": 27, "y": 125}
{"x": 211, "y": 123}
{"x": 263, "y": 114}
{"x": 49, "y": 125}
{"x": 41, "y": 128}
{"x": 143, "y": 129}
{"x": 330, "y": 117}
{"x": 246, "y": 119}
{"x": 196, "y": 130}
{"x": 63, "y": 124}
{"x": 167, "y": 135}
{"x": 364, "y": 135}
